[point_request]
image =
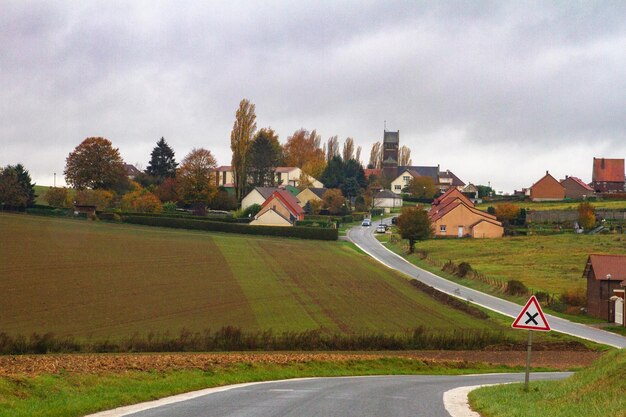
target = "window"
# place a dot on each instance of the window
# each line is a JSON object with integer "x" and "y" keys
{"x": 406, "y": 178}
{"x": 397, "y": 187}
{"x": 442, "y": 228}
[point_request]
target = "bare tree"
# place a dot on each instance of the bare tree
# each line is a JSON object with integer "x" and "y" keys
{"x": 404, "y": 156}
{"x": 332, "y": 148}
{"x": 348, "y": 149}
{"x": 376, "y": 156}
{"x": 358, "y": 154}
{"x": 240, "y": 138}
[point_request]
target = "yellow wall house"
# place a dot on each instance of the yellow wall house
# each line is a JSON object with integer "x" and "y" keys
{"x": 291, "y": 176}
{"x": 280, "y": 209}
{"x": 309, "y": 194}
{"x": 454, "y": 215}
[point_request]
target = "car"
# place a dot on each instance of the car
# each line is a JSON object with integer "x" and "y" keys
{"x": 366, "y": 222}
{"x": 394, "y": 220}
{"x": 381, "y": 228}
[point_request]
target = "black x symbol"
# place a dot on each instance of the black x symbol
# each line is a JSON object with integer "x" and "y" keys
{"x": 531, "y": 318}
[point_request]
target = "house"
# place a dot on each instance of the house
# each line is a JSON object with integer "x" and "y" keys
{"x": 453, "y": 215}
{"x": 547, "y": 189}
{"x": 292, "y": 175}
{"x": 131, "y": 171}
{"x": 372, "y": 171}
{"x": 443, "y": 180}
{"x": 257, "y": 195}
{"x": 576, "y": 189}
{"x": 224, "y": 176}
{"x": 86, "y": 209}
{"x": 280, "y": 209}
{"x": 605, "y": 275}
{"x": 309, "y": 194}
{"x": 608, "y": 175}
{"x": 387, "y": 200}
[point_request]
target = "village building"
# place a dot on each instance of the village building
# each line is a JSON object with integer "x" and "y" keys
{"x": 608, "y": 175}
{"x": 293, "y": 175}
{"x": 224, "y": 176}
{"x": 387, "y": 200}
{"x": 606, "y": 277}
{"x": 309, "y": 194}
{"x": 391, "y": 148}
{"x": 576, "y": 189}
{"x": 443, "y": 180}
{"x": 453, "y": 215}
{"x": 547, "y": 188}
{"x": 131, "y": 171}
{"x": 280, "y": 209}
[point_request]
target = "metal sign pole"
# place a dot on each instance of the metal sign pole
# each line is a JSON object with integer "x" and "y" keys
{"x": 528, "y": 351}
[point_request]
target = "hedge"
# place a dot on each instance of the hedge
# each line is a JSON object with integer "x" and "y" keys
{"x": 188, "y": 216}
{"x": 299, "y": 232}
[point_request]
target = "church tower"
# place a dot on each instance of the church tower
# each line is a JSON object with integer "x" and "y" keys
{"x": 391, "y": 143}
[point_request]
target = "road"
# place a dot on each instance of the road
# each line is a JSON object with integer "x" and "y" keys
{"x": 381, "y": 396}
{"x": 364, "y": 238}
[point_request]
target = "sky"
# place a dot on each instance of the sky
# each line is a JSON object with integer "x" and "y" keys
{"x": 498, "y": 92}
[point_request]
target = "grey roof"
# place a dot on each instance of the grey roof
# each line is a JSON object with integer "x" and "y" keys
{"x": 266, "y": 191}
{"x": 456, "y": 181}
{"x": 387, "y": 194}
{"x": 318, "y": 191}
{"x": 432, "y": 172}
{"x": 391, "y": 137}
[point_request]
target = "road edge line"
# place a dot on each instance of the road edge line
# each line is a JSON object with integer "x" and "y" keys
{"x": 456, "y": 403}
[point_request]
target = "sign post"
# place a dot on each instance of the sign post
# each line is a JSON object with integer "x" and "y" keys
{"x": 530, "y": 318}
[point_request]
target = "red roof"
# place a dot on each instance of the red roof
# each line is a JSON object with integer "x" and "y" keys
{"x": 437, "y": 212}
{"x": 451, "y": 194}
{"x": 608, "y": 170}
{"x": 603, "y": 265}
{"x": 370, "y": 171}
{"x": 288, "y": 200}
{"x": 579, "y": 182}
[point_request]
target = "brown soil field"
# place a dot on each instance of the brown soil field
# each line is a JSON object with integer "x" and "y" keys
{"x": 119, "y": 363}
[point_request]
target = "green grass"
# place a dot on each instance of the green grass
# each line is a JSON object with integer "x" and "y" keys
{"x": 558, "y": 205}
{"x": 97, "y": 280}
{"x": 597, "y": 391}
{"x": 69, "y": 395}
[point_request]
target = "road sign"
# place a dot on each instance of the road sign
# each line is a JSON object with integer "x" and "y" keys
{"x": 531, "y": 317}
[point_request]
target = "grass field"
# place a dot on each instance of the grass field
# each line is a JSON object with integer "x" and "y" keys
{"x": 558, "y": 205}
{"x": 597, "y": 391}
{"x": 544, "y": 263}
{"x": 101, "y": 280}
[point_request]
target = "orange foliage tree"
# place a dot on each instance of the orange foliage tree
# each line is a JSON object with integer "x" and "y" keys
{"x": 195, "y": 179}
{"x": 333, "y": 200}
{"x": 507, "y": 212}
{"x": 422, "y": 187}
{"x": 303, "y": 150}
{"x": 586, "y": 215}
{"x": 141, "y": 200}
{"x": 95, "y": 164}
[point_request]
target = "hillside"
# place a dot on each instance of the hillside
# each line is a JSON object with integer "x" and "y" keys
{"x": 94, "y": 279}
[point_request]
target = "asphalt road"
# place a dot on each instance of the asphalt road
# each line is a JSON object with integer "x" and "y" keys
{"x": 364, "y": 238}
{"x": 380, "y": 396}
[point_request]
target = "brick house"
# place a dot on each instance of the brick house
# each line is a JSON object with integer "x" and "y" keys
{"x": 547, "y": 188}
{"x": 608, "y": 175}
{"x": 576, "y": 189}
{"x": 604, "y": 274}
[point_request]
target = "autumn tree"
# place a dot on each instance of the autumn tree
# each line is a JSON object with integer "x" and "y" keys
{"x": 264, "y": 155}
{"x": 421, "y": 187}
{"x": 166, "y": 191}
{"x": 57, "y": 197}
{"x": 404, "y": 156}
{"x": 16, "y": 188}
{"x": 195, "y": 179}
{"x": 376, "y": 156}
{"x": 95, "y": 164}
{"x": 332, "y": 148}
{"x": 141, "y": 200}
{"x": 414, "y": 225}
{"x": 507, "y": 212}
{"x": 334, "y": 200}
{"x": 348, "y": 149}
{"x": 303, "y": 150}
{"x": 100, "y": 198}
{"x": 586, "y": 216}
{"x": 162, "y": 162}
{"x": 240, "y": 137}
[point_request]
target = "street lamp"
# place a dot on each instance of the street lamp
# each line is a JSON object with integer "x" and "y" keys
{"x": 608, "y": 297}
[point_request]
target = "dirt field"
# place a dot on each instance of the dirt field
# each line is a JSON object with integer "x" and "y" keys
{"x": 107, "y": 363}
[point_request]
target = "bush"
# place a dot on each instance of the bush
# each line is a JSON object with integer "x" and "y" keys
{"x": 515, "y": 287}
{"x": 574, "y": 297}
{"x": 464, "y": 269}
{"x": 58, "y": 197}
{"x": 217, "y": 226}
{"x": 251, "y": 211}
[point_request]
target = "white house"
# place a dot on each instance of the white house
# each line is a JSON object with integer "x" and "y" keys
{"x": 387, "y": 200}
{"x": 291, "y": 176}
{"x": 258, "y": 195}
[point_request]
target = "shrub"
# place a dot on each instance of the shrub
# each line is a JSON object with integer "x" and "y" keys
{"x": 142, "y": 201}
{"x": 464, "y": 269}
{"x": 216, "y": 226}
{"x": 251, "y": 211}
{"x": 542, "y": 296}
{"x": 99, "y": 198}
{"x": 170, "y": 207}
{"x": 58, "y": 197}
{"x": 515, "y": 287}
{"x": 574, "y": 297}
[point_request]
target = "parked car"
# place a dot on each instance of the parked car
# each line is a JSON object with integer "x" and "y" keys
{"x": 366, "y": 222}
{"x": 381, "y": 228}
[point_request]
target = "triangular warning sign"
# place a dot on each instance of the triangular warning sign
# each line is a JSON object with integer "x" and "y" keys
{"x": 531, "y": 317}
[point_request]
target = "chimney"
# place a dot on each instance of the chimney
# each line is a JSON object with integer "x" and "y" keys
{"x": 547, "y": 173}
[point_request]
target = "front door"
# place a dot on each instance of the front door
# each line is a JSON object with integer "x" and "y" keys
{"x": 460, "y": 231}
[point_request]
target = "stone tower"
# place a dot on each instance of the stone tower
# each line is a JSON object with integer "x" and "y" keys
{"x": 391, "y": 144}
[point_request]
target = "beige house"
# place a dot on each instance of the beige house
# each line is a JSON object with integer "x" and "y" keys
{"x": 387, "y": 200}
{"x": 280, "y": 209}
{"x": 291, "y": 176}
{"x": 454, "y": 215}
{"x": 258, "y": 195}
{"x": 224, "y": 176}
{"x": 443, "y": 180}
{"x": 309, "y": 194}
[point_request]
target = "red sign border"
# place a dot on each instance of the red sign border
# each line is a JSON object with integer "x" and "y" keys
{"x": 515, "y": 324}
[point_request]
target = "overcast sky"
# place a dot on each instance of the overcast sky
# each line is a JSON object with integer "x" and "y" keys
{"x": 496, "y": 92}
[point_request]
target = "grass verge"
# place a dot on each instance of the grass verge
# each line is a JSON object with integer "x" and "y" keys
{"x": 593, "y": 392}
{"x": 69, "y": 395}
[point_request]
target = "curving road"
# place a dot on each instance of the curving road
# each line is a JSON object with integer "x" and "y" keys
{"x": 381, "y": 396}
{"x": 364, "y": 238}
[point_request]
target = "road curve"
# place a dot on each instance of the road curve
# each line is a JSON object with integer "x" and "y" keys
{"x": 364, "y": 238}
{"x": 381, "y": 396}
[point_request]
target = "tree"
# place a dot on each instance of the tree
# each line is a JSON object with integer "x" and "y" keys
{"x": 414, "y": 225}
{"x": 348, "y": 149}
{"x": 332, "y": 148}
{"x": 18, "y": 190}
{"x": 99, "y": 198}
{"x": 358, "y": 154}
{"x": 303, "y": 150}
{"x": 333, "y": 200}
{"x": 484, "y": 191}
{"x": 421, "y": 187}
{"x": 57, "y": 197}
{"x": 166, "y": 191}
{"x": 243, "y": 130}
{"x": 141, "y": 200}
{"x": 586, "y": 216}
{"x": 333, "y": 175}
{"x": 162, "y": 163}
{"x": 264, "y": 155}
{"x": 95, "y": 164}
{"x": 376, "y": 156}
{"x": 195, "y": 178}
{"x": 224, "y": 200}
{"x": 507, "y": 212}
{"x": 404, "y": 156}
